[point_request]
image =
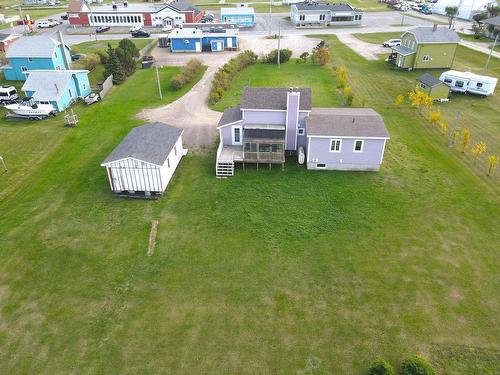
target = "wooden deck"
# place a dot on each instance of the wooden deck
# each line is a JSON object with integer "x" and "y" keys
{"x": 231, "y": 154}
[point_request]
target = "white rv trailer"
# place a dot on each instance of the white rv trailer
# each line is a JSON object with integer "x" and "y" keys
{"x": 469, "y": 82}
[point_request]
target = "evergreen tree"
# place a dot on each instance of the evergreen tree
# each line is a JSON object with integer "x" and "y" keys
{"x": 126, "y": 60}
{"x": 128, "y": 46}
{"x": 113, "y": 66}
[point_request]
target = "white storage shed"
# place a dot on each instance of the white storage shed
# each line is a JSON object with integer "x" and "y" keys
{"x": 145, "y": 161}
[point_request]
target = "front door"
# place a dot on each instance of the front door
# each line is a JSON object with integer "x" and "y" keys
{"x": 237, "y": 135}
{"x": 198, "y": 46}
{"x": 229, "y": 42}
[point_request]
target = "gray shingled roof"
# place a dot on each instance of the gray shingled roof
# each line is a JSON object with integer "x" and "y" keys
{"x": 231, "y": 115}
{"x": 345, "y": 122}
{"x": 151, "y": 143}
{"x": 495, "y": 21}
{"x": 429, "y": 35}
{"x": 49, "y": 85}
{"x": 272, "y": 98}
{"x": 402, "y": 50}
{"x": 339, "y": 7}
{"x": 429, "y": 80}
{"x": 33, "y": 46}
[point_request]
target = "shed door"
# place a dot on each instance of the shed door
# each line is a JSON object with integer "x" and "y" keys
{"x": 229, "y": 42}
{"x": 198, "y": 47}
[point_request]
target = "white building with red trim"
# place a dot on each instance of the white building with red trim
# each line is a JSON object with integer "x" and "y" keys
{"x": 174, "y": 13}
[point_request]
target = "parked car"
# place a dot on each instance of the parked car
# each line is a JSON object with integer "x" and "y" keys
{"x": 52, "y": 3}
{"x": 64, "y": 17}
{"x": 207, "y": 18}
{"x": 426, "y": 9}
{"x": 44, "y": 24}
{"x": 102, "y": 29}
{"x": 8, "y": 94}
{"x": 54, "y": 21}
{"x": 166, "y": 28}
{"x": 78, "y": 56}
{"x": 135, "y": 28}
{"x": 140, "y": 34}
{"x": 92, "y": 98}
{"x": 392, "y": 43}
{"x": 417, "y": 7}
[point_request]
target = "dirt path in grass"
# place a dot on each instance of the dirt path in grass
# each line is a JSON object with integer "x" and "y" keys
{"x": 191, "y": 111}
{"x": 369, "y": 51}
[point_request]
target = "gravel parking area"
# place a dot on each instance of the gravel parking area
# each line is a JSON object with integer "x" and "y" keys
{"x": 369, "y": 51}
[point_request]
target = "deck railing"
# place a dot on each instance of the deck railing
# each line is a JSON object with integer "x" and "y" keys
{"x": 264, "y": 157}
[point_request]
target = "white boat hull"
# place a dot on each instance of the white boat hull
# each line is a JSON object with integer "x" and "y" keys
{"x": 26, "y": 110}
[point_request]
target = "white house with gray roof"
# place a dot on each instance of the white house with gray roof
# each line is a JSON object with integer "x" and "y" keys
{"x": 311, "y": 13}
{"x": 143, "y": 164}
{"x": 272, "y": 122}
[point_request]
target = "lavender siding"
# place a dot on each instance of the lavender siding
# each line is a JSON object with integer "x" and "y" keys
{"x": 292, "y": 119}
{"x": 369, "y": 159}
{"x": 264, "y": 117}
{"x": 226, "y": 133}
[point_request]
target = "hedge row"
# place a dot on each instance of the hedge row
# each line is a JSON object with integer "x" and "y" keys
{"x": 187, "y": 73}
{"x": 223, "y": 78}
{"x": 415, "y": 365}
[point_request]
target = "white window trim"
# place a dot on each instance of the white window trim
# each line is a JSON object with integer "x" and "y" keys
{"x": 241, "y": 135}
{"x": 362, "y": 145}
{"x": 299, "y": 131}
{"x": 426, "y": 58}
{"x": 340, "y": 145}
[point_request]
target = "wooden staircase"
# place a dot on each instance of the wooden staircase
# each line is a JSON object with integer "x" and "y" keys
{"x": 224, "y": 169}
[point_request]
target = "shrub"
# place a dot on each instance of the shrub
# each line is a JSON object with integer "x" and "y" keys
{"x": 223, "y": 77}
{"x": 380, "y": 367}
{"x": 416, "y": 365}
{"x": 272, "y": 57}
{"x": 103, "y": 56}
{"x": 348, "y": 95}
{"x": 187, "y": 73}
{"x": 321, "y": 55}
{"x": 91, "y": 61}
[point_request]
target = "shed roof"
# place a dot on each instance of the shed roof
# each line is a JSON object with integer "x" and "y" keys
{"x": 429, "y": 80}
{"x": 151, "y": 143}
{"x": 231, "y": 115}
{"x": 402, "y": 50}
{"x": 346, "y": 122}
{"x": 273, "y": 98}
{"x": 49, "y": 85}
{"x": 495, "y": 21}
{"x": 33, "y": 46}
{"x": 434, "y": 35}
{"x": 334, "y": 7}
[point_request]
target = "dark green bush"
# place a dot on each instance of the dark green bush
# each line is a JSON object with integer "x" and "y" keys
{"x": 416, "y": 365}
{"x": 223, "y": 78}
{"x": 272, "y": 57}
{"x": 380, "y": 367}
{"x": 187, "y": 73}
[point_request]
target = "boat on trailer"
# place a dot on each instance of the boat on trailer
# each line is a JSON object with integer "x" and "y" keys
{"x": 31, "y": 110}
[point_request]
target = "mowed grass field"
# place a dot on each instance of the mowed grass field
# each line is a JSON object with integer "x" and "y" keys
{"x": 266, "y": 272}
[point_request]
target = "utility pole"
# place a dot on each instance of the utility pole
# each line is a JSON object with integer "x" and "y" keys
{"x": 279, "y": 44}
{"x": 270, "y": 16}
{"x": 92, "y": 23}
{"x": 158, "y": 80}
{"x": 491, "y": 51}
{"x": 403, "y": 18}
{"x": 22, "y": 19}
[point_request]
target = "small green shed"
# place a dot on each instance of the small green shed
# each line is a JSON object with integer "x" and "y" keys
{"x": 433, "y": 87}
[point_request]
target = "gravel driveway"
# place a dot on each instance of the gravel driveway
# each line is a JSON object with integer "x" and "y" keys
{"x": 369, "y": 51}
{"x": 191, "y": 111}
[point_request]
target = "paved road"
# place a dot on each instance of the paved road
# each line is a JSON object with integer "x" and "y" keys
{"x": 479, "y": 48}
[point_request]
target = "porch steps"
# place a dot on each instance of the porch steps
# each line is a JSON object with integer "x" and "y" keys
{"x": 224, "y": 169}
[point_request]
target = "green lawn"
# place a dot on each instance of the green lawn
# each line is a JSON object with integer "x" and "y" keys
{"x": 266, "y": 272}
{"x": 377, "y": 38}
{"x": 102, "y": 45}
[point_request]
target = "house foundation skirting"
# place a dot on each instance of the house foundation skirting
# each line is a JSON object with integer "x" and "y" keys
{"x": 344, "y": 167}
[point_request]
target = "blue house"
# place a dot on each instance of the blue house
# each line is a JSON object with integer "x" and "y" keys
{"x": 60, "y": 88}
{"x": 206, "y": 39}
{"x": 241, "y": 16}
{"x": 35, "y": 53}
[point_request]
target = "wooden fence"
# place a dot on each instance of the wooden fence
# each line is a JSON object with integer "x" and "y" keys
{"x": 106, "y": 86}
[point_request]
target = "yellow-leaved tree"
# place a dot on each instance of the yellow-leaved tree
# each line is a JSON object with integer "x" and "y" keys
{"x": 478, "y": 149}
{"x": 443, "y": 127}
{"x": 342, "y": 76}
{"x": 435, "y": 116}
{"x": 419, "y": 99}
{"x": 492, "y": 163}
{"x": 465, "y": 139}
{"x": 399, "y": 100}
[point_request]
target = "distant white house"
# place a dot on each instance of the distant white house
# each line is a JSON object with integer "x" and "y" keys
{"x": 145, "y": 161}
{"x": 311, "y": 13}
{"x": 466, "y": 8}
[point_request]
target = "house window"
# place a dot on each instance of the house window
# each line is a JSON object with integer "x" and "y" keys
{"x": 237, "y": 135}
{"x": 360, "y": 17}
{"x": 264, "y": 147}
{"x": 321, "y": 17}
{"x": 168, "y": 163}
{"x": 335, "y": 145}
{"x": 320, "y": 165}
{"x": 58, "y": 67}
{"x": 301, "y": 131}
{"x": 459, "y": 84}
{"x": 358, "y": 145}
{"x": 70, "y": 93}
{"x": 447, "y": 80}
{"x": 426, "y": 58}
{"x": 277, "y": 148}
{"x": 302, "y": 17}
{"x": 186, "y": 41}
{"x": 479, "y": 85}
{"x": 30, "y": 58}
{"x": 422, "y": 86}
{"x": 55, "y": 54}
{"x": 84, "y": 86}
{"x": 24, "y": 69}
{"x": 250, "y": 147}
